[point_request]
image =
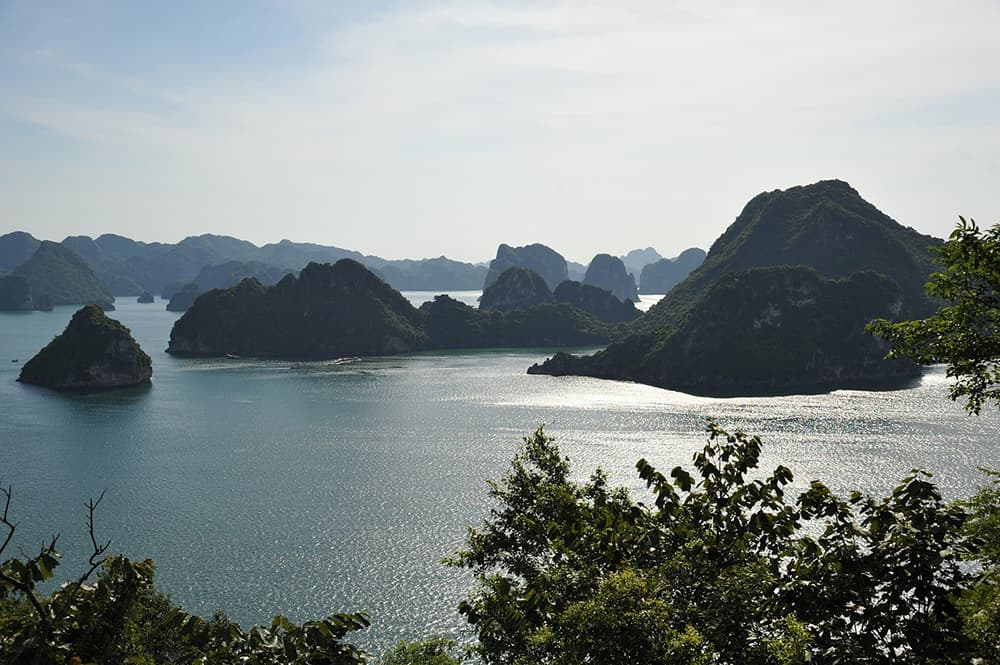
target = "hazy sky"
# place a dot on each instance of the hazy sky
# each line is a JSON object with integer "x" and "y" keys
{"x": 427, "y": 128}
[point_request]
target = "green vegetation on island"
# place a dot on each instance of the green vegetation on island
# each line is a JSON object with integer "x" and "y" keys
{"x": 765, "y": 331}
{"x": 516, "y": 288}
{"x": 93, "y": 353}
{"x": 341, "y": 310}
{"x": 453, "y": 325}
{"x": 61, "y": 275}
{"x": 724, "y": 312}
{"x": 520, "y": 288}
{"x": 826, "y": 226}
{"x": 547, "y": 262}
{"x": 328, "y": 311}
{"x": 599, "y": 303}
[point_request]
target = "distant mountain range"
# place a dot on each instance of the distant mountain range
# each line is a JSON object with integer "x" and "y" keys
{"x": 127, "y": 267}
{"x": 56, "y": 275}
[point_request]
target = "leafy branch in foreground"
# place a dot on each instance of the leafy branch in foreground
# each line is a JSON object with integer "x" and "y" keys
{"x": 120, "y": 618}
{"x": 965, "y": 331}
{"x": 724, "y": 567}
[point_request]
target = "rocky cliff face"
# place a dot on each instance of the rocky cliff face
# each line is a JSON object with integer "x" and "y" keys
{"x": 93, "y": 353}
{"x": 608, "y": 272}
{"x": 548, "y": 263}
{"x": 328, "y": 311}
{"x": 663, "y": 275}
{"x": 599, "y": 303}
{"x": 516, "y": 288}
{"x": 827, "y": 226}
{"x": 766, "y": 331}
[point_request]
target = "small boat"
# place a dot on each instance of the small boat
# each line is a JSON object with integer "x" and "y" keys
{"x": 345, "y": 361}
{"x": 14, "y": 360}
{"x": 232, "y": 356}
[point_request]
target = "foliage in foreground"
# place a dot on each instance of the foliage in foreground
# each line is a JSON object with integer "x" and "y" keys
{"x": 121, "y": 619}
{"x": 965, "y": 331}
{"x": 723, "y": 567}
{"x": 431, "y": 651}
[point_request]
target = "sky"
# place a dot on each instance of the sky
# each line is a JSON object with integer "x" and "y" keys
{"x": 419, "y": 129}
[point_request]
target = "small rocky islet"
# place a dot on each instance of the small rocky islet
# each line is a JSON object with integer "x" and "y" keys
{"x": 94, "y": 353}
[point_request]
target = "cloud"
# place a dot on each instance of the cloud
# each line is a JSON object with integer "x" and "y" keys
{"x": 591, "y": 126}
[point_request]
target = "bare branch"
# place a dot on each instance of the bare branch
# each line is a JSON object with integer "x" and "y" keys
{"x": 26, "y": 588}
{"x": 98, "y": 549}
{"x": 96, "y": 560}
{"x": 11, "y": 526}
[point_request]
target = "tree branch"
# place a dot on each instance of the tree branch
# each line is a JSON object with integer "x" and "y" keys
{"x": 11, "y": 526}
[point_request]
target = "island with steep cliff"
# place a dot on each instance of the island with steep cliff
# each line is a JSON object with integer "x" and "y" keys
{"x": 548, "y": 263}
{"x": 343, "y": 309}
{"x": 93, "y": 353}
{"x": 608, "y": 272}
{"x": 520, "y": 288}
{"x": 767, "y": 331}
{"x": 779, "y": 304}
{"x": 328, "y": 311}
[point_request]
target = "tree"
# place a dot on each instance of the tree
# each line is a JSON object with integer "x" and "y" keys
{"x": 431, "y": 651}
{"x": 120, "y": 618}
{"x": 981, "y": 602}
{"x": 965, "y": 331}
{"x": 722, "y": 567}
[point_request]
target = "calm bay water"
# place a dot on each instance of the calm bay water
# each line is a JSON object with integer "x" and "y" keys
{"x": 310, "y": 488}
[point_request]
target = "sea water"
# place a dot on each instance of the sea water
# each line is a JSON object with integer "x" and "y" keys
{"x": 264, "y": 487}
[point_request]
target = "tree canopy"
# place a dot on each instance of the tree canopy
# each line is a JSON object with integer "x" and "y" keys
{"x": 965, "y": 331}
{"x": 722, "y": 566}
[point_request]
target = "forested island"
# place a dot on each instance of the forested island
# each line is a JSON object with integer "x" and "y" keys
{"x": 93, "y": 353}
{"x": 780, "y": 303}
{"x": 343, "y": 309}
{"x": 778, "y": 306}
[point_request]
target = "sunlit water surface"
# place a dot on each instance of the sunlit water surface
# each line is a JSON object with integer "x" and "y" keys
{"x": 262, "y": 487}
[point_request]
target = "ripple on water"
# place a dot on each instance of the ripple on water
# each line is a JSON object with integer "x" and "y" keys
{"x": 308, "y": 488}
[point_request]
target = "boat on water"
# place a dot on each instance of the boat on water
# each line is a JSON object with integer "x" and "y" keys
{"x": 232, "y": 356}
